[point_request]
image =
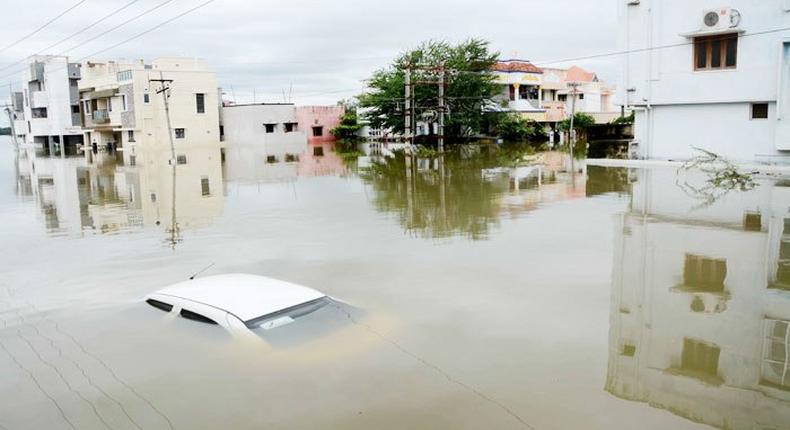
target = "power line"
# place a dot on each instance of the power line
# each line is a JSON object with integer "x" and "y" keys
{"x": 84, "y": 29}
{"x": 162, "y": 24}
{"x": 32, "y": 33}
{"x": 110, "y": 30}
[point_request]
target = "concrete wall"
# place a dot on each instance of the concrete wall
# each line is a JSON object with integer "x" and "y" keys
{"x": 245, "y": 125}
{"x": 327, "y": 117}
{"x": 708, "y": 105}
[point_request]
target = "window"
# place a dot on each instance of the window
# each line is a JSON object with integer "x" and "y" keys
{"x": 181, "y": 159}
{"x": 776, "y": 360}
{"x": 700, "y": 357}
{"x": 318, "y": 151}
{"x": 132, "y": 160}
{"x": 75, "y": 109}
{"x": 704, "y": 274}
{"x": 125, "y": 75}
{"x": 87, "y": 105}
{"x": 109, "y": 104}
{"x": 146, "y": 98}
{"x": 752, "y": 221}
{"x": 124, "y": 106}
{"x": 581, "y": 96}
{"x": 782, "y": 276}
{"x": 318, "y": 131}
{"x": 716, "y": 52}
{"x": 271, "y": 159}
{"x": 160, "y": 305}
{"x": 628, "y": 350}
{"x": 290, "y": 127}
{"x": 194, "y": 316}
{"x": 200, "y": 102}
{"x": 130, "y": 135}
{"x": 270, "y": 127}
{"x": 759, "y": 110}
{"x": 512, "y": 91}
{"x": 291, "y": 158}
{"x": 205, "y": 190}
{"x": 180, "y": 133}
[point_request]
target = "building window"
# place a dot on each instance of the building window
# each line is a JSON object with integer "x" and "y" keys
{"x": 124, "y": 106}
{"x": 75, "y": 108}
{"x": 180, "y": 133}
{"x": 318, "y": 151}
{"x": 782, "y": 276}
{"x": 270, "y": 127}
{"x": 146, "y": 98}
{"x": 318, "y": 131}
{"x": 181, "y": 159}
{"x": 716, "y": 52}
{"x": 290, "y": 127}
{"x": 271, "y": 159}
{"x": 776, "y": 360}
{"x": 109, "y": 104}
{"x": 291, "y": 158}
{"x": 704, "y": 274}
{"x": 759, "y": 110}
{"x": 700, "y": 358}
{"x": 200, "y": 102}
{"x": 131, "y": 135}
{"x": 512, "y": 92}
{"x": 132, "y": 160}
{"x": 204, "y": 186}
{"x": 581, "y": 96}
{"x": 87, "y": 105}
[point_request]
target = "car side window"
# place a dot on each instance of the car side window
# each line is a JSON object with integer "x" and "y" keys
{"x": 160, "y": 305}
{"x": 194, "y": 316}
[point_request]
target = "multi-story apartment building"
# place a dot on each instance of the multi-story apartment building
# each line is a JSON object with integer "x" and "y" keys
{"x": 545, "y": 95}
{"x": 708, "y": 74}
{"x": 51, "y": 115}
{"x": 123, "y": 108}
{"x": 700, "y": 302}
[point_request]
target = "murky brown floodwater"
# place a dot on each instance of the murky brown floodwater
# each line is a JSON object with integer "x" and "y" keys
{"x": 612, "y": 300}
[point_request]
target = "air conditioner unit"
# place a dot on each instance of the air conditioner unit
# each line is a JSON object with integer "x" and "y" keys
{"x": 721, "y": 19}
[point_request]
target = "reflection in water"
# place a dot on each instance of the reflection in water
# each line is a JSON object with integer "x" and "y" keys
{"x": 700, "y": 308}
{"x": 77, "y": 197}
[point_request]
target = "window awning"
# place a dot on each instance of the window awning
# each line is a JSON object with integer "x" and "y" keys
{"x": 103, "y": 93}
{"x": 715, "y": 32}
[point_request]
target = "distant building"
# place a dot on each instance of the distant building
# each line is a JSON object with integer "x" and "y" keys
{"x": 318, "y": 122}
{"x": 700, "y": 303}
{"x": 123, "y": 110}
{"x": 544, "y": 94}
{"x": 263, "y": 137}
{"x": 50, "y": 114}
{"x": 702, "y": 74}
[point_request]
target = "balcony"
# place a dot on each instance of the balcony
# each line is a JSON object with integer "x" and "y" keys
{"x": 36, "y": 71}
{"x": 39, "y": 99}
{"x": 100, "y": 116}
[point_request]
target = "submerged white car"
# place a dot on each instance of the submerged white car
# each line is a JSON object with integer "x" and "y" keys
{"x": 248, "y": 303}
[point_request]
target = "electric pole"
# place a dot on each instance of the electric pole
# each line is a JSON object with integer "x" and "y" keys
{"x": 407, "y": 105}
{"x": 572, "y": 132}
{"x": 165, "y": 91}
{"x": 441, "y": 108}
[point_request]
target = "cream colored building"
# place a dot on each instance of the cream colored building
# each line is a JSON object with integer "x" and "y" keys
{"x": 122, "y": 110}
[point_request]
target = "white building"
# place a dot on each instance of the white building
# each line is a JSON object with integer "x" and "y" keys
{"x": 51, "y": 117}
{"x": 263, "y": 137}
{"x": 700, "y": 303}
{"x": 704, "y": 73}
{"x": 123, "y": 108}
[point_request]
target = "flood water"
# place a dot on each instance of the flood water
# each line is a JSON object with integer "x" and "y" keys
{"x": 612, "y": 299}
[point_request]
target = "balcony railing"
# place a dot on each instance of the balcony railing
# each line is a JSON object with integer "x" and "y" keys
{"x": 100, "y": 116}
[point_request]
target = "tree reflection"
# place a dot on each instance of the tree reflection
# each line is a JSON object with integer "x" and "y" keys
{"x": 435, "y": 197}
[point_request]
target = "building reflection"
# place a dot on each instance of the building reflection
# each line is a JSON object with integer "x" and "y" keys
{"x": 254, "y": 163}
{"x": 107, "y": 195}
{"x": 700, "y": 305}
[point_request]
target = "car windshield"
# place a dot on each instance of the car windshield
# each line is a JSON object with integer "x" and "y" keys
{"x": 288, "y": 315}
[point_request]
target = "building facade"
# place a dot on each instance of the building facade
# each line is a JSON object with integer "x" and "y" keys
{"x": 123, "y": 108}
{"x": 50, "y": 114}
{"x": 705, "y": 74}
{"x": 318, "y": 122}
{"x": 700, "y": 303}
{"x": 545, "y": 95}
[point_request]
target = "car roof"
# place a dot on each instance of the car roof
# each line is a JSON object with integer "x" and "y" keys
{"x": 244, "y": 296}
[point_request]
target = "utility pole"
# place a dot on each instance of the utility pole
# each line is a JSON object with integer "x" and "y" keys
{"x": 572, "y": 133}
{"x": 407, "y": 105}
{"x": 165, "y": 91}
{"x": 441, "y": 108}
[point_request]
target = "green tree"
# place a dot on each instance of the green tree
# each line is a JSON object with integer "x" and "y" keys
{"x": 347, "y": 132}
{"x": 581, "y": 122}
{"x": 514, "y": 128}
{"x": 470, "y": 87}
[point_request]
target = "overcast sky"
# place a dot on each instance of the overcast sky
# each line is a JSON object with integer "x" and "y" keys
{"x": 318, "y": 51}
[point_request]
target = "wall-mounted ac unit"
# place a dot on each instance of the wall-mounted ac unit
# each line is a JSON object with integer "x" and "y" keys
{"x": 721, "y": 19}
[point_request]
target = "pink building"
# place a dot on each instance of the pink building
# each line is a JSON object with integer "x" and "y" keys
{"x": 318, "y": 122}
